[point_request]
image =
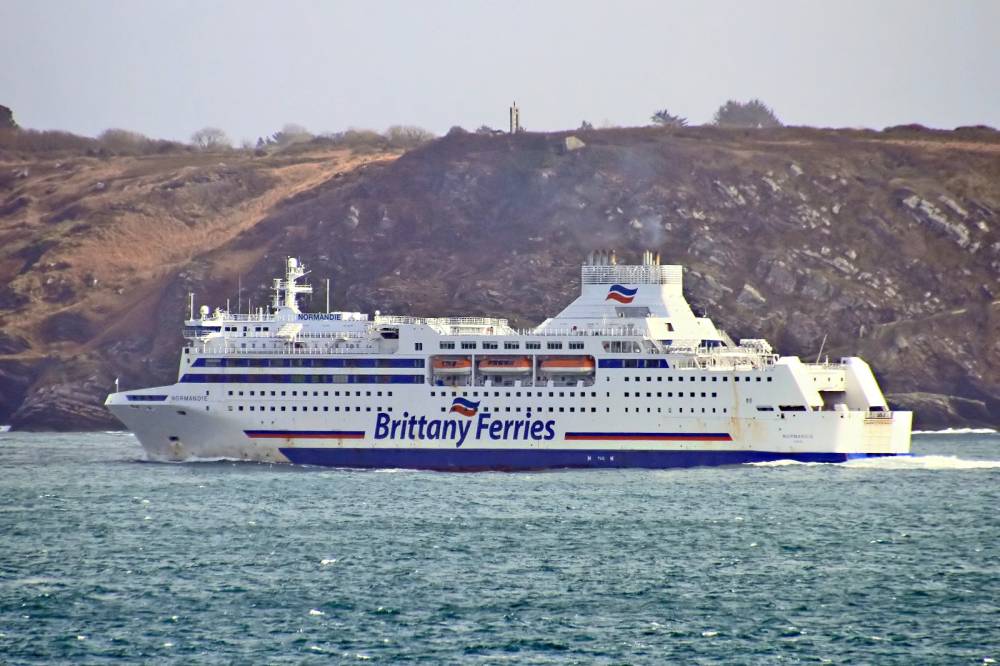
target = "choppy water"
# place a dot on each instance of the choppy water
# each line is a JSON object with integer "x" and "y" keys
{"x": 106, "y": 558}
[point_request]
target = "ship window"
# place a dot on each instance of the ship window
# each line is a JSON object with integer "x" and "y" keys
{"x": 561, "y": 410}
{"x": 572, "y": 409}
{"x": 561, "y": 394}
{"x": 447, "y": 345}
{"x": 758, "y": 379}
{"x": 357, "y": 409}
{"x": 702, "y": 410}
{"x": 532, "y": 345}
{"x": 659, "y": 395}
{"x": 282, "y": 408}
{"x": 703, "y": 394}
{"x": 294, "y": 408}
{"x": 368, "y": 409}
{"x": 511, "y": 345}
{"x": 725, "y": 379}
{"x": 518, "y": 394}
{"x": 576, "y": 345}
{"x": 496, "y": 394}
{"x": 230, "y": 393}
{"x": 489, "y": 345}
{"x": 593, "y": 409}
{"x": 703, "y": 378}
{"x": 326, "y": 408}
{"x": 551, "y": 409}
{"x": 770, "y": 378}
{"x": 418, "y": 346}
{"x": 554, "y": 345}
{"x": 649, "y": 409}
{"x": 368, "y": 394}
{"x": 649, "y": 379}
{"x": 714, "y": 394}
{"x": 713, "y": 410}
{"x": 468, "y": 345}
{"x": 715, "y": 379}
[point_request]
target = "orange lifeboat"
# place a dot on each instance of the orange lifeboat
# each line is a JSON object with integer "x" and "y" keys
{"x": 452, "y": 366}
{"x": 568, "y": 365}
{"x": 510, "y": 365}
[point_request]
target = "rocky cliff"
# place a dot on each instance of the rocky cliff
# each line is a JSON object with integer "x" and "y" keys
{"x": 887, "y": 243}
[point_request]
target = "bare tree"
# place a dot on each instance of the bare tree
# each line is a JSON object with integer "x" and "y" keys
{"x": 667, "y": 119}
{"x": 585, "y": 126}
{"x": 211, "y": 138}
{"x": 746, "y": 114}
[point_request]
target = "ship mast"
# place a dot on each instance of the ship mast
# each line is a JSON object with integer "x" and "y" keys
{"x": 286, "y": 291}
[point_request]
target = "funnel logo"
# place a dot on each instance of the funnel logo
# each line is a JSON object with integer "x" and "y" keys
{"x": 621, "y": 294}
{"x": 464, "y": 407}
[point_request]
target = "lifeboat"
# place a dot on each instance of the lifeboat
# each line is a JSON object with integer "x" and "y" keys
{"x": 568, "y": 365}
{"x": 452, "y": 366}
{"x": 515, "y": 365}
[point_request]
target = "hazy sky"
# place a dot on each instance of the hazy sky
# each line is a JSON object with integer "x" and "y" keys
{"x": 170, "y": 67}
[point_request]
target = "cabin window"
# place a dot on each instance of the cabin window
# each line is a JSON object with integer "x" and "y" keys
{"x": 512, "y": 345}
{"x": 418, "y": 346}
{"x": 554, "y": 345}
{"x": 532, "y": 345}
{"x": 489, "y": 345}
{"x": 576, "y": 345}
{"x": 447, "y": 345}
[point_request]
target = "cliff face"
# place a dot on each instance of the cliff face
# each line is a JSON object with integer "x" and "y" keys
{"x": 886, "y": 243}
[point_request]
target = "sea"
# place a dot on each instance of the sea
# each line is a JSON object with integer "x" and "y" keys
{"x": 106, "y": 558}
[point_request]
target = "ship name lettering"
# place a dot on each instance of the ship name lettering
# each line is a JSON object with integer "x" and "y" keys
{"x": 422, "y": 428}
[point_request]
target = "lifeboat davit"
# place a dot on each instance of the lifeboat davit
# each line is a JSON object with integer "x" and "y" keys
{"x": 452, "y": 366}
{"x": 568, "y": 365}
{"x": 516, "y": 365}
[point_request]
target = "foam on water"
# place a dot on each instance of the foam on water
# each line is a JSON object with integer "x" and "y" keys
{"x": 957, "y": 431}
{"x": 931, "y": 462}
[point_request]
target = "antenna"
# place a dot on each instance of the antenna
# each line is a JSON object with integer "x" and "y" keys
{"x": 239, "y": 294}
{"x": 328, "y": 295}
{"x": 820, "y": 353}
{"x": 191, "y": 297}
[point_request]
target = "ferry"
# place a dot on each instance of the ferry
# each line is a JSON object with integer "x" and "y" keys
{"x": 626, "y": 376}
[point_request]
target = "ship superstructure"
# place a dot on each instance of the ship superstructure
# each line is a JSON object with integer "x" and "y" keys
{"x": 625, "y": 376}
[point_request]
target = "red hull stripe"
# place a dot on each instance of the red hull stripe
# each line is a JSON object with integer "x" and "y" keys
{"x": 618, "y": 297}
{"x": 464, "y": 411}
{"x": 305, "y": 434}
{"x": 651, "y": 436}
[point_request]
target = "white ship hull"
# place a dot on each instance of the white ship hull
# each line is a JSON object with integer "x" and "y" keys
{"x": 174, "y": 431}
{"x": 625, "y": 376}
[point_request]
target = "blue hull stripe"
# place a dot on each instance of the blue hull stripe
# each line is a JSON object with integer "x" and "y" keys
{"x": 305, "y": 434}
{"x": 471, "y": 460}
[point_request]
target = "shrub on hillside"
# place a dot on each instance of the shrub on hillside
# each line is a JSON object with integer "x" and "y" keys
{"x": 666, "y": 119}
{"x": 754, "y": 114}
{"x": 407, "y": 136}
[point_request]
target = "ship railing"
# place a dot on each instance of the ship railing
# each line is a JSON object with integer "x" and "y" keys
{"x": 615, "y": 331}
{"x": 878, "y": 415}
{"x": 295, "y": 351}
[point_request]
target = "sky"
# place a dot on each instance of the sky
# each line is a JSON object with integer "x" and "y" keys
{"x": 167, "y": 68}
